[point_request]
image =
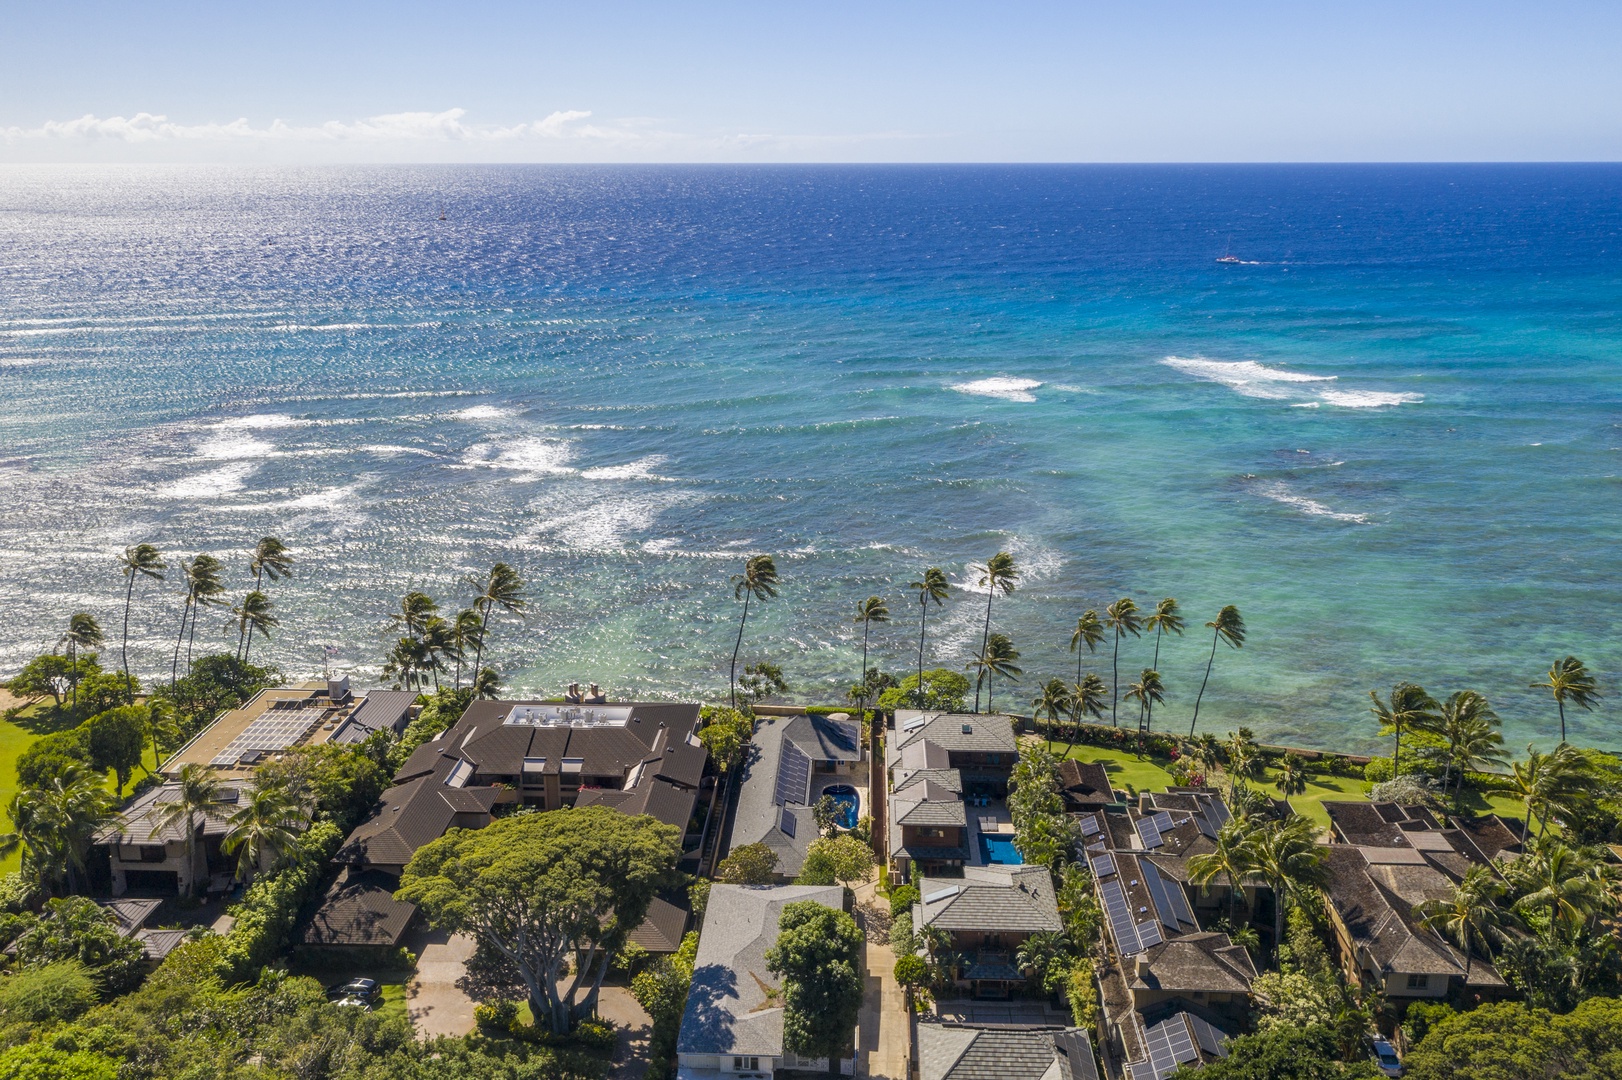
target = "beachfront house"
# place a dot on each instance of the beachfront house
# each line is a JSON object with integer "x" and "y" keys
{"x": 732, "y": 1026}
{"x": 986, "y": 915}
{"x": 791, "y": 763}
{"x": 144, "y": 852}
{"x": 948, "y": 777}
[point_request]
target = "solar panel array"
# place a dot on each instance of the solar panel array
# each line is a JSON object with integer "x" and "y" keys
{"x": 1169, "y": 1047}
{"x": 1149, "y": 934}
{"x": 789, "y": 825}
{"x": 915, "y": 723}
{"x": 1103, "y": 865}
{"x": 793, "y": 775}
{"x": 1163, "y": 820}
{"x": 1219, "y": 810}
{"x": 1119, "y": 914}
{"x": 1089, "y": 826}
{"x": 1149, "y": 833}
{"x": 1168, "y": 897}
{"x": 276, "y": 729}
{"x": 1210, "y": 1039}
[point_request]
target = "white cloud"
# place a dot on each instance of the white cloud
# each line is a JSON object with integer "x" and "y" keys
{"x": 390, "y": 127}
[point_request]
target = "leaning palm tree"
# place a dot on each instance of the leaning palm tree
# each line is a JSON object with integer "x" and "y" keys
{"x": 1570, "y": 680}
{"x": 1148, "y": 692}
{"x": 196, "y": 798}
{"x": 205, "y": 580}
{"x": 998, "y": 575}
{"x": 1287, "y": 857}
{"x": 997, "y": 660}
{"x": 467, "y": 632}
{"x": 1292, "y": 776}
{"x": 1121, "y": 617}
{"x": 933, "y": 586}
{"x": 1406, "y": 707}
{"x": 202, "y": 577}
{"x": 264, "y": 830}
{"x": 142, "y": 560}
{"x": 254, "y": 615}
{"x": 1233, "y": 858}
{"x": 83, "y": 632}
{"x": 1468, "y": 723}
{"x": 1087, "y": 698}
{"x": 1548, "y": 784}
{"x": 1089, "y": 632}
{"x": 1561, "y": 879}
{"x": 439, "y": 643}
{"x": 269, "y": 558}
{"x": 1053, "y": 700}
{"x": 56, "y": 824}
{"x": 869, "y": 611}
{"x": 1166, "y": 620}
{"x": 1472, "y": 916}
{"x": 759, "y": 581}
{"x": 501, "y": 588}
{"x": 486, "y": 686}
{"x": 1228, "y": 626}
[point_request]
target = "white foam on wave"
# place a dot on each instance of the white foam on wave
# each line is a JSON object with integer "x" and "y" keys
{"x": 530, "y": 457}
{"x": 226, "y": 446}
{"x": 341, "y": 499}
{"x": 1279, "y": 493}
{"x": 386, "y": 450}
{"x": 1367, "y": 399}
{"x": 1001, "y": 387}
{"x": 212, "y": 484}
{"x": 640, "y": 469}
{"x": 262, "y": 420}
{"x": 1245, "y": 376}
{"x": 482, "y": 412}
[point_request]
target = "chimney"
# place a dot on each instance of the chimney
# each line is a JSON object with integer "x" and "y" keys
{"x": 1141, "y": 966}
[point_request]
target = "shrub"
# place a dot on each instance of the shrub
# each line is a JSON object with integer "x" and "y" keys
{"x": 1405, "y": 790}
{"x": 50, "y": 756}
{"x": 596, "y": 1035}
{"x": 911, "y": 970}
{"x": 270, "y": 908}
{"x": 496, "y": 1015}
{"x": 79, "y": 929}
{"x": 1377, "y": 771}
{"x": 1081, "y": 994}
{"x": 902, "y": 897}
{"x": 36, "y": 1061}
{"x": 59, "y": 991}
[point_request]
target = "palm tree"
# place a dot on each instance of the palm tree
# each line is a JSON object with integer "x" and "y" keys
{"x": 205, "y": 583}
{"x": 416, "y": 608}
{"x": 1228, "y": 626}
{"x": 1408, "y": 706}
{"x": 1546, "y": 783}
{"x": 759, "y": 581}
{"x": 269, "y": 558}
{"x": 1570, "y": 680}
{"x": 999, "y": 574}
{"x": 408, "y": 662}
{"x": 196, "y": 796}
{"x": 439, "y": 644}
{"x": 1148, "y": 692}
{"x": 467, "y": 632}
{"x": 83, "y": 632}
{"x": 1055, "y": 701}
{"x": 487, "y": 685}
{"x": 1292, "y": 776}
{"x": 1471, "y": 916}
{"x": 57, "y": 823}
{"x": 1122, "y": 617}
{"x": 264, "y": 830}
{"x": 933, "y": 586}
{"x": 503, "y": 588}
{"x": 997, "y": 659}
{"x": 160, "y": 721}
{"x": 142, "y": 560}
{"x": 1166, "y": 620}
{"x": 869, "y": 611}
{"x": 1086, "y": 699}
{"x": 202, "y": 575}
{"x": 1241, "y": 764}
{"x": 1287, "y": 857}
{"x": 1561, "y": 879}
{"x": 1470, "y": 727}
{"x": 1233, "y": 858}
{"x": 253, "y": 616}
{"x": 1089, "y": 632}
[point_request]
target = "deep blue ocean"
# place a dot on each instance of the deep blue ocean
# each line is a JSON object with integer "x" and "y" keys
{"x": 1391, "y": 433}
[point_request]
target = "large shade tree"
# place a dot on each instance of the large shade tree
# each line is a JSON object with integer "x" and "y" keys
{"x": 555, "y": 894}
{"x": 818, "y": 956}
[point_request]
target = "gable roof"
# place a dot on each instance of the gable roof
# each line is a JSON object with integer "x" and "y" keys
{"x": 359, "y": 908}
{"x": 411, "y": 815}
{"x": 991, "y": 733}
{"x": 825, "y": 739}
{"x": 1085, "y": 784}
{"x": 761, "y": 813}
{"x": 730, "y": 1007}
{"x": 942, "y": 780}
{"x": 993, "y": 898}
{"x": 140, "y": 822}
{"x": 1375, "y": 903}
{"x": 956, "y": 1052}
{"x": 1205, "y": 962}
{"x": 662, "y": 929}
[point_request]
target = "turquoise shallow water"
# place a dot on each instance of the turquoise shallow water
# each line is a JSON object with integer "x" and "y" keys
{"x": 1391, "y": 435}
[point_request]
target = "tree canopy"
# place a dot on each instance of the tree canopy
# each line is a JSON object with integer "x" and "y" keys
{"x": 1509, "y": 1041}
{"x": 539, "y": 887}
{"x": 818, "y": 957}
{"x": 751, "y": 864}
{"x": 1282, "y": 1053}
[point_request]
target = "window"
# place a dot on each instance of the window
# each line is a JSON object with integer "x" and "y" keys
{"x": 746, "y": 1064}
{"x": 1418, "y": 982}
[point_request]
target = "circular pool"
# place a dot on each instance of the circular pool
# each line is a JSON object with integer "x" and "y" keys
{"x": 847, "y": 804}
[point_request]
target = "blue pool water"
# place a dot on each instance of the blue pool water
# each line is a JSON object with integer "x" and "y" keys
{"x": 848, "y": 804}
{"x": 999, "y": 849}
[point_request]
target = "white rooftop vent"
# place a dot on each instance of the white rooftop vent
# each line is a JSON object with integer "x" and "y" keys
{"x": 573, "y": 764}
{"x": 943, "y": 894}
{"x": 534, "y": 764}
{"x": 572, "y": 716}
{"x": 915, "y": 723}
{"x": 460, "y": 774}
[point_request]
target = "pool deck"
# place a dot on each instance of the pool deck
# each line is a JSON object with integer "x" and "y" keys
{"x": 997, "y": 822}
{"x": 837, "y": 780}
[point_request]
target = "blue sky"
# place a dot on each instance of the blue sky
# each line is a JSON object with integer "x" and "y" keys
{"x": 762, "y": 81}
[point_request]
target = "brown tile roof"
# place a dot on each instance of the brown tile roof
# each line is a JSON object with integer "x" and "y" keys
{"x": 1193, "y": 963}
{"x": 1376, "y": 903}
{"x": 662, "y": 930}
{"x": 360, "y": 909}
{"x": 1085, "y": 785}
{"x": 411, "y": 815}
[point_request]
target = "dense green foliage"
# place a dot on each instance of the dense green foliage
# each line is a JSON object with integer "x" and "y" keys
{"x": 217, "y": 682}
{"x": 61, "y": 990}
{"x": 751, "y": 864}
{"x": 78, "y": 929}
{"x": 1282, "y": 1053}
{"x": 844, "y": 860}
{"x": 944, "y": 690}
{"x": 51, "y": 756}
{"x": 270, "y": 907}
{"x": 661, "y": 990}
{"x": 440, "y": 710}
{"x": 818, "y": 956}
{"x": 1510, "y": 1041}
{"x": 117, "y": 739}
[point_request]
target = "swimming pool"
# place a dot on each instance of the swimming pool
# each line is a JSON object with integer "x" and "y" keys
{"x": 847, "y": 804}
{"x": 999, "y": 848}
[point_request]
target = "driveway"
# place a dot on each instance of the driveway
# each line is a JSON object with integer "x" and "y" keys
{"x": 616, "y": 1005}
{"x": 433, "y": 1001}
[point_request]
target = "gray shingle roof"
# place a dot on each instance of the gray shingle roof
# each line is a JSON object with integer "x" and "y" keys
{"x": 937, "y": 807}
{"x": 139, "y": 823}
{"x": 951, "y": 1052}
{"x": 944, "y": 779}
{"x": 1013, "y": 899}
{"x": 728, "y": 1008}
{"x": 758, "y": 818}
{"x": 823, "y": 739}
{"x": 990, "y": 733}
{"x": 661, "y": 931}
{"x": 1194, "y": 963}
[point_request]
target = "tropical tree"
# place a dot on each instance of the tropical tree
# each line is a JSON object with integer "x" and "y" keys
{"x": 486, "y": 685}
{"x": 196, "y": 797}
{"x": 1286, "y": 856}
{"x": 203, "y": 588}
{"x": 931, "y": 588}
{"x": 1087, "y": 698}
{"x": 117, "y": 738}
{"x": 1570, "y": 680}
{"x": 56, "y": 822}
{"x": 1122, "y": 618}
{"x": 869, "y": 611}
{"x": 998, "y": 575}
{"x": 1233, "y": 859}
{"x": 1407, "y": 707}
{"x": 1548, "y": 784}
{"x": 416, "y": 608}
{"x": 83, "y": 632}
{"x": 439, "y": 646}
{"x": 501, "y": 588}
{"x": 1089, "y": 632}
{"x": 1472, "y": 915}
{"x": 254, "y": 615}
{"x": 1470, "y": 727}
{"x": 264, "y": 830}
{"x": 1055, "y": 701}
{"x": 269, "y": 558}
{"x": 996, "y": 660}
{"x": 1044, "y": 952}
{"x": 142, "y": 560}
{"x": 1561, "y": 880}
{"x": 1242, "y": 761}
{"x": 751, "y": 864}
{"x": 1148, "y": 692}
{"x": 818, "y": 955}
{"x": 467, "y": 632}
{"x": 759, "y": 581}
{"x": 407, "y": 663}
{"x": 1292, "y": 775}
{"x": 1166, "y": 620}
{"x": 1228, "y": 626}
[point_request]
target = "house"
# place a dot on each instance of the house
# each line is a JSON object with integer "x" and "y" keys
{"x": 1085, "y": 785}
{"x": 928, "y": 822}
{"x": 987, "y": 914}
{"x": 132, "y": 915}
{"x": 733, "y": 1022}
{"x": 791, "y": 762}
{"x": 963, "y": 1052}
{"x": 1176, "y": 1038}
{"x": 280, "y": 718}
{"x": 144, "y": 851}
{"x": 635, "y": 758}
{"x": 981, "y": 747}
{"x": 941, "y": 767}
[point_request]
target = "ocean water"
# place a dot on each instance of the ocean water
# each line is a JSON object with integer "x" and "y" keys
{"x": 1391, "y": 435}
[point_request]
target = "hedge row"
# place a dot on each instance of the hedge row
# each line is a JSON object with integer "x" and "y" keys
{"x": 270, "y": 908}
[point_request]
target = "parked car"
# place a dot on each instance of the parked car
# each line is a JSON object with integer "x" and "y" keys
{"x": 1385, "y": 1057}
{"x": 355, "y": 992}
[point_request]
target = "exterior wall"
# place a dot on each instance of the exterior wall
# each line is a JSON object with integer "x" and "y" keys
{"x": 127, "y": 857}
{"x": 1396, "y": 984}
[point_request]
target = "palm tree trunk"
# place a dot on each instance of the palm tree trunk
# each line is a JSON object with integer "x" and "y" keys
{"x": 129, "y": 594}
{"x": 985, "y": 639}
{"x": 923, "y": 625}
{"x": 174, "y": 668}
{"x": 732, "y": 678}
{"x": 1396, "y": 752}
{"x": 73, "y": 666}
{"x": 1561, "y": 705}
{"x": 863, "y": 683}
{"x": 1203, "y": 681}
{"x": 478, "y": 654}
{"x": 1115, "y": 680}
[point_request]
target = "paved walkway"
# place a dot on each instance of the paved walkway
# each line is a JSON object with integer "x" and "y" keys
{"x": 433, "y": 1001}
{"x": 615, "y": 1004}
{"x": 883, "y": 1019}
